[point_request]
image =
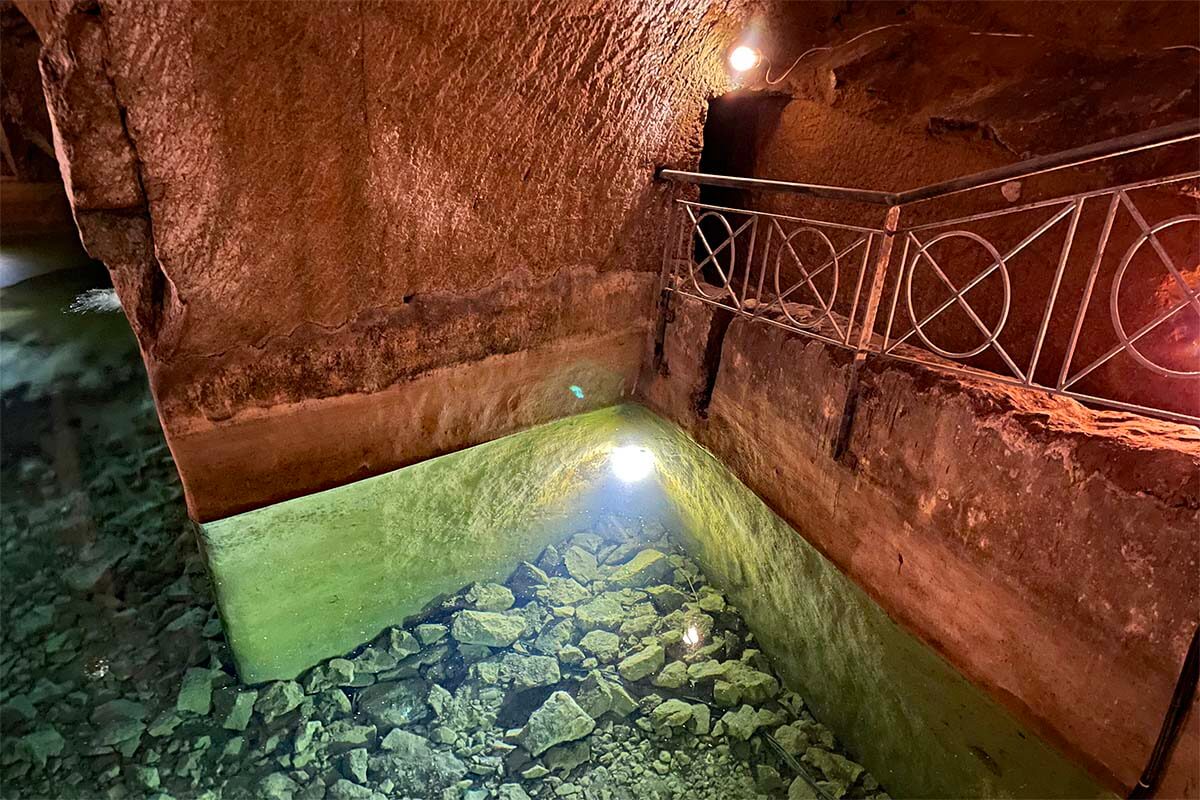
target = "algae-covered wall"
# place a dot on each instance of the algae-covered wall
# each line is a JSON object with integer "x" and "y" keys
{"x": 915, "y": 721}
{"x": 313, "y": 577}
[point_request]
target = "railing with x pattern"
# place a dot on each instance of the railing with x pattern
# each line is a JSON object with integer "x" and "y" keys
{"x": 1052, "y": 278}
{"x": 754, "y": 267}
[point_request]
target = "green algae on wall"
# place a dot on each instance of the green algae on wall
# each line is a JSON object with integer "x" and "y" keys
{"x": 313, "y": 577}
{"x": 920, "y": 727}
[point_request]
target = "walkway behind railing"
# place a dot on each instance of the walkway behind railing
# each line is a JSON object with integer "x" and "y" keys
{"x": 858, "y": 295}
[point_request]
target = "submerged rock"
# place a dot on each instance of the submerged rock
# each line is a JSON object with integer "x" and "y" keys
{"x": 581, "y": 565}
{"x": 118, "y": 722}
{"x": 347, "y": 790}
{"x": 195, "y": 694}
{"x": 556, "y": 637}
{"x": 562, "y": 592}
{"x": 566, "y": 757}
{"x": 392, "y": 704}
{"x": 528, "y": 672}
{"x": 486, "y": 628}
{"x": 745, "y": 722}
{"x": 279, "y": 699}
{"x": 595, "y": 696}
{"x": 413, "y": 765}
{"x": 801, "y": 790}
{"x": 673, "y": 713}
{"x": 672, "y": 676}
{"x": 430, "y": 633}
{"x": 373, "y": 660}
{"x": 647, "y": 567}
{"x": 526, "y": 579}
{"x": 833, "y": 766}
{"x": 558, "y": 720}
{"x": 490, "y": 597}
{"x": 605, "y": 646}
{"x": 642, "y": 664}
{"x": 666, "y": 598}
{"x": 604, "y": 612}
{"x": 38, "y": 746}
{"x": 511, "y": 791}
{"x": 237, "y": 717}
{"x": 277, "y": 786}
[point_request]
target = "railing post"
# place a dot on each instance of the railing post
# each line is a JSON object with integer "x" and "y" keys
{"x": 665, "y": 285}
{"x": 890, "y": 224}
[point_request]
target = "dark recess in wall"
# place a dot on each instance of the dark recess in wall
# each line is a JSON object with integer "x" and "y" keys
{"x": 735, "y": 128}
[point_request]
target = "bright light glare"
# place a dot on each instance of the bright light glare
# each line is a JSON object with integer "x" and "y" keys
{"x": 631, "y": 463}
{"x": 691, "y": 636}
{"x": 743, "y": 58}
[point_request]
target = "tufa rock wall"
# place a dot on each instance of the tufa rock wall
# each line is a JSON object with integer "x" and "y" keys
{"x": 1049, "y": 552}
{"x": 308, "y": 210}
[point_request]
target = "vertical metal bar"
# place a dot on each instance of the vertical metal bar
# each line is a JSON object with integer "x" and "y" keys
{"x": 762, "y": 275}
{"x": 1087, "y": 291}
{"x": 1058, "y": 275}
{"x": 749, "y": 262}
{"x": 891, "y": 222}
{"x": 862, "y": 276}
{"x": 841, "y": 443}
{"x": 887, "y": 331}
{"x": 668, "y": 267}
{"x": 666, "y": 283}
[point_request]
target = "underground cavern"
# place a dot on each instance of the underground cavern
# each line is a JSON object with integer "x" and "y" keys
{"x": 485, "y": 400}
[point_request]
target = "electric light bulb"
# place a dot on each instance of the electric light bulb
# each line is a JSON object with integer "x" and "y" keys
{"x": 631, "y": 463}
{"x": 742, "y": 58}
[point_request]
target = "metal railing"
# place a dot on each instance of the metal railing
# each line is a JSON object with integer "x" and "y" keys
{"x": 853, "y": 286}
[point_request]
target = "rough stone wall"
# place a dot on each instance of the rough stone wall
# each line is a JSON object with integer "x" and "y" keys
{"x": 308, "y": 208}
{"x": 1049, "y": 552}
{"x": 29, "y": 155}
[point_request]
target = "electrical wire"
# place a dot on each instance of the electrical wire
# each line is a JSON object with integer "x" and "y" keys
{"x": 788, "y": 71}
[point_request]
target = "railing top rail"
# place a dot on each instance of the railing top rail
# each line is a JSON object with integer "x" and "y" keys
{"x": 1054, "y": 201}
{"x": 810, "y": 189}
{"x": 807, "y": 220}
{"x": 1064, "y": 159}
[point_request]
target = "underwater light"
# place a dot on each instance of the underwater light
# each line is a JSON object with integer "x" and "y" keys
{"x": 742, "y": 58}
{"x": 631, "y": 463}
{"x": 691, "y": 637}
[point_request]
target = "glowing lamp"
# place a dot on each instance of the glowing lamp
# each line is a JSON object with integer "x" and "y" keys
{"x": 743, "y": 58}
{"x": 631, "y": 463}
{"x": 691, "y": 637}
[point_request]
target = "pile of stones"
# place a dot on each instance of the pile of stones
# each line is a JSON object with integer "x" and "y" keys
{"x": 609, "y": 668}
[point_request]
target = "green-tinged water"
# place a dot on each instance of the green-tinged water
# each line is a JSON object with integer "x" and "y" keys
{"x": 531, "y": 618}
